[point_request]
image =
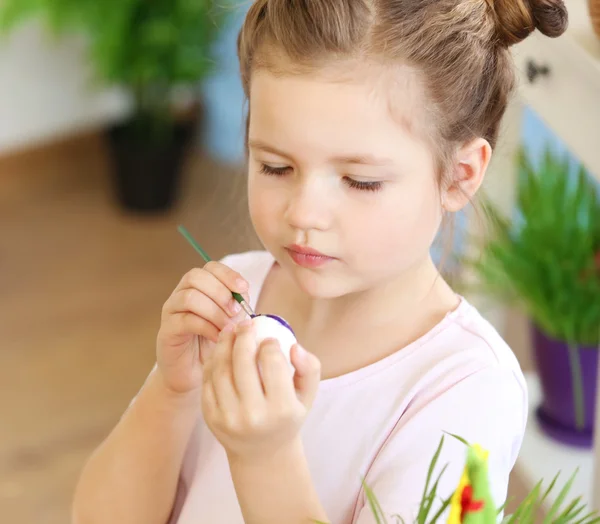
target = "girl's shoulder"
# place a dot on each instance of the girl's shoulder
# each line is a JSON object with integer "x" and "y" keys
{"x": 477, "y": 333}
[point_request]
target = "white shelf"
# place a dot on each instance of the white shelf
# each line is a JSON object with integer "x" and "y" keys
{"x": 542, "y": 458}
{"x": 567, "y": 98}
{"x": 581, "y": 34}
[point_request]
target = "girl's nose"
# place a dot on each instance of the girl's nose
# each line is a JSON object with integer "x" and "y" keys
{"x": 309, "y": 205}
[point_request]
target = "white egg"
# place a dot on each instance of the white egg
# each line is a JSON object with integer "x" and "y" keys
{"x": 269, "y": 327}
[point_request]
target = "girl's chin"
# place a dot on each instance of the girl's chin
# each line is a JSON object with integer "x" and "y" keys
{"x": 319, "y": 286}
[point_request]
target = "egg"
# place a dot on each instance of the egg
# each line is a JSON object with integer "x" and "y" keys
{"x": 274, "y": 327}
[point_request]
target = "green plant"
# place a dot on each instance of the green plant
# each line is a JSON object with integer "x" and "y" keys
{"x": 547, "y": 259}
{"x": 530, "y": 510}
{"x": 149, "y": 47}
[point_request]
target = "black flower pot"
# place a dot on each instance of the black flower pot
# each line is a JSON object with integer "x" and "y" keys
{"x": 147, "y": 169}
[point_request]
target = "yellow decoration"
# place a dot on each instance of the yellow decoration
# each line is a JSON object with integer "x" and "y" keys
{"x": 456, "y": 503}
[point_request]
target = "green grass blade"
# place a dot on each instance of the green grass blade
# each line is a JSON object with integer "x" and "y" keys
{"x": 374, "y": 504}
{"x": 560, "y": 499}
{"x": 550, "y": 487}
{"x": 526, "y": 507}
{"x": 534, "y": 503}
{"x": 428, "y": 480}
{"x": 573, "y": 511}
{"x": 503, "y": 507}
{"x": 569, "y": 513}
{"x": 460, "y": 439}
{"x": 431, "y": 496}
{"x": 440, "y": 511}
{"x": 589, "y": 519}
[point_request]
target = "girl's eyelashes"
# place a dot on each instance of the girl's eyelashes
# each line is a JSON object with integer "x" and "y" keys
{"x": 363, "y": 186}
{"x": 276, "y": 171}
{"x": 350, "y": 182}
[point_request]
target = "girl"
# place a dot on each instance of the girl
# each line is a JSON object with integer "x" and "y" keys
{"x": 369, "y": 120}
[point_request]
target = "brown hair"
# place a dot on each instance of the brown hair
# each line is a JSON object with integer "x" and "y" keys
{"x": 458, "y": 49}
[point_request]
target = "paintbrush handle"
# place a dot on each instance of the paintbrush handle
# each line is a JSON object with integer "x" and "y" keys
{"x": 239, "y": 298}
{"x": 244, "y": 304}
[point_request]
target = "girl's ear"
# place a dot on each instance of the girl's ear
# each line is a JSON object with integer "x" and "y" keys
{"x": 467, "y": 174}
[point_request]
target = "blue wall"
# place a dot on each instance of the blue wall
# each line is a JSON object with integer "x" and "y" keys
{"x": 536, "y": 136}
{"x": 223, "y": 132}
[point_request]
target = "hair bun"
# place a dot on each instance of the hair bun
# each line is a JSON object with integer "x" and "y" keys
{"x": 516, "y": 19}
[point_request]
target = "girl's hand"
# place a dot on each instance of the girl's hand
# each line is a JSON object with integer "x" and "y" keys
{"x": 253, "y": 414}
{"x": 199, "y": 308}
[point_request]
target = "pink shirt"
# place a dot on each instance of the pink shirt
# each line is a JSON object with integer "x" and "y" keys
{"x": 384, "y": 422}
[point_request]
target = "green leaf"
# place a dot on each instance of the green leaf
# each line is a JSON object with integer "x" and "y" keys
{"x": 503, "y": 507}
{"x": 550, "y": 487}
{"x": 533, "y": 504}
{"x": 560, "y": 499}
{"x": 571, "y": 512}
{"x": 432, "y": 464}
{"x": 431, "y": 497}
{"x": 460, "y": 439}
{"x": 374, "y": 504}
{"x": 148, "y": 47}
{"x": 542, "y": 258}
{"x": 440, "y": 512}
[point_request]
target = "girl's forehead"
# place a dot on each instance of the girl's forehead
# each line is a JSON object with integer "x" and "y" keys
{"x": 371, "y": 109}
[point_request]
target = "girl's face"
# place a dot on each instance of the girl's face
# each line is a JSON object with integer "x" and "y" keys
{"x": 331, "y": 169}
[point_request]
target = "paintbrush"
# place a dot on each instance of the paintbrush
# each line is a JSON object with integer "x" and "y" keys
{"x": 239, "y": 298}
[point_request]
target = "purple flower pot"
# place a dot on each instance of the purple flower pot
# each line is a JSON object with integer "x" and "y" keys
{"x": 556, "y": 414}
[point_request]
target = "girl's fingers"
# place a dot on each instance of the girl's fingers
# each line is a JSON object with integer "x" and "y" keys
{"x": 221, "y": 373}
{"x": 245, "y": 370}
{"x": 307, "y": 376}
{"x": 189, "y": 323}
{"x": 234, "y": 282}
{"x": 210, "y": 285}
{"x": 193, "y": 301}
{"x": 276, "y": 375}
{"x": 230, "y": 278}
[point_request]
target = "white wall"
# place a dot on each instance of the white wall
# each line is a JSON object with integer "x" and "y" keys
{"x": 46, "y": 90}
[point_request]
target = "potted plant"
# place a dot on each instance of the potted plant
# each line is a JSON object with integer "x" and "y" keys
{"x": 472, "y": 502}
{"x": 151, "y": 49}
{"x": 547, "y": 261}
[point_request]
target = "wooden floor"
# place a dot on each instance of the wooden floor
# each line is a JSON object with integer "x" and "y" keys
{"x": 81, "y": 287}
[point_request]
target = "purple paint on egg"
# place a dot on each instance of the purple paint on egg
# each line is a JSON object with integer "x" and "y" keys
{"x": 280, "y": 320}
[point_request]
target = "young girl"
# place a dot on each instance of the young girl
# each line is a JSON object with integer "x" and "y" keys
{"x": 369, "y": 120}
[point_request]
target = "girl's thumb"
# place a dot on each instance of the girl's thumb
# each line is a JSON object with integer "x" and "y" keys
{"x": 308, "y": 374}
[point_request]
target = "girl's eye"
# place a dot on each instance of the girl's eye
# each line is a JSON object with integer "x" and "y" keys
{"x": 354, "y": 184}
{"x": 275, "y": 171}
{"x": 363, "y": 186}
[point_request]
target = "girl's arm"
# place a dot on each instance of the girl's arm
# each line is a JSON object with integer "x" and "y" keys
{"x": 277, "y": 490}
{"x": 132, "y": 477}
{"x": 256, "y": 412}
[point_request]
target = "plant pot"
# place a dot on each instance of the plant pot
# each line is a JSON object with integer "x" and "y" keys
{"x": 146, "y": 174}
{"x": 557, "y": 414}
{"x": 594, "y": 9}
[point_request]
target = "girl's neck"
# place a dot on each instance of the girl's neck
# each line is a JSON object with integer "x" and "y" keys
{"x": 354, "y": 331}
{"x": 417, "y": 291}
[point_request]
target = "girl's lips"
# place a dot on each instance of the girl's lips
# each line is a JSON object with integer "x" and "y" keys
{"x": 303, "y": 250}
{"x": 308, "y": 258}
